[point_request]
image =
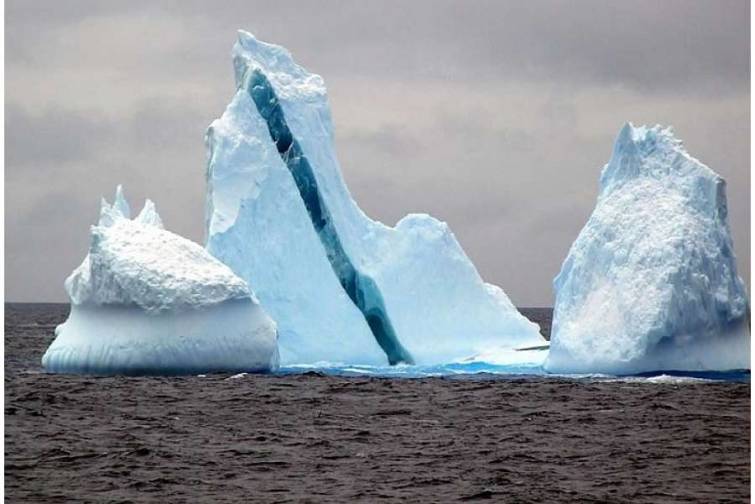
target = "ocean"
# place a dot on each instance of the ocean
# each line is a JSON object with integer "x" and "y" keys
{"x": 356, "y": 434}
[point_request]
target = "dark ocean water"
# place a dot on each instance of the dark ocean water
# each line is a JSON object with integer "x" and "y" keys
{"x": 325, "y": 438}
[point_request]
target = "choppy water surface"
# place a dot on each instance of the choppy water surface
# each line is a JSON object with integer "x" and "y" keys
{"x": 342, "y": 433}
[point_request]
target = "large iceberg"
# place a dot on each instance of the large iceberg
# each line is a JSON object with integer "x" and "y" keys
{"x": 342, "y": 287}
{"x": 651, "y": 282}
{"x": 147, "y": 301}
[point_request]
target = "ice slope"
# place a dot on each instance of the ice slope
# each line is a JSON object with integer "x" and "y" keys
{"x": 651, "y": 281}
{"x": 280, "y": 215}
{"x": 147, "y": 301}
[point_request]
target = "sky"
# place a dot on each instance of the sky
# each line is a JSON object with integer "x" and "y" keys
{"x": 495, "y": 117}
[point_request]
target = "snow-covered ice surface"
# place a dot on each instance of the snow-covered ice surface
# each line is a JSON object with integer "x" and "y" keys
{"x": 651, "y": 283}
{"x": 280, "y": 215}
{"x": 147, "y": 301}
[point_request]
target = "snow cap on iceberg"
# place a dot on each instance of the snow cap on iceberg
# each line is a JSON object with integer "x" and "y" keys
{"x": 137, "y": 262}
{"x": 651, "y": 281}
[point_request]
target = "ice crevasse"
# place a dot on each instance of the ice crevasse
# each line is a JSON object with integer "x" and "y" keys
{"x": 147, "y": 301}
{"x": 651, "y": 282}
{"x": 341, "y": 286}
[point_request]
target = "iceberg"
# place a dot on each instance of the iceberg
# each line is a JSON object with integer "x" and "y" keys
{"x": 651, "y": 282}
{"x": 147, "y": 301}
{"x": 341, "y": 286}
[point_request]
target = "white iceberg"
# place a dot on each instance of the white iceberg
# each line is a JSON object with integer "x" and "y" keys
{"x": 342, "y": 287}
{"x": 147, "y": 301}
{"x": 651, "y": 282}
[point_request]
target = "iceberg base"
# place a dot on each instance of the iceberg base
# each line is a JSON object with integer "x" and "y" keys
{"x": 726, "y": 350}
{"x": 232, "y": 336}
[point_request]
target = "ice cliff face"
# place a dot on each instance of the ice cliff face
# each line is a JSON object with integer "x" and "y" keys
{"x": 147, "y": 301}
{"x": 651, "y": 281}
{"x": 342, "y": 287}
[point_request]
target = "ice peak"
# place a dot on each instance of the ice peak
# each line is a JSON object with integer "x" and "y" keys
{"x": 120, "y": 208}
{"x": 650, "y": 151}
{"x": 290, "y": 80}
{"x": 120, "y": 204}
{"x": 149, "y": 215}
{"x": 625, "y": 136}
{"x": 248, "y": 41}
{"x": 646, "y": 138}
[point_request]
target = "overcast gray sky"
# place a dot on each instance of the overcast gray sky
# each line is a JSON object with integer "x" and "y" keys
{"x": 493, "y": 116}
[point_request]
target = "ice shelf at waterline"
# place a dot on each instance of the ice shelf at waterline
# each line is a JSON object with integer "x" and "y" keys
{"x": 147, "y": 301}
{"x": 651, "y": 282}
{"x": 342, "y": 287}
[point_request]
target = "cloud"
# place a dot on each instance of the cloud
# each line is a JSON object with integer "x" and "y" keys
{"x": 53, "y": 137}
{"x": 493, "y": 116}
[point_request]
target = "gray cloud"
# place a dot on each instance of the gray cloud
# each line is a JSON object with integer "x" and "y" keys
{"x": 676, "y": 45}
{"x": 493, "y": 116}
{"x": 56, "y": 136}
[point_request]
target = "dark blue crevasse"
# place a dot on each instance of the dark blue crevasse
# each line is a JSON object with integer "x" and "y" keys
{"x": 361, "y": 289}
